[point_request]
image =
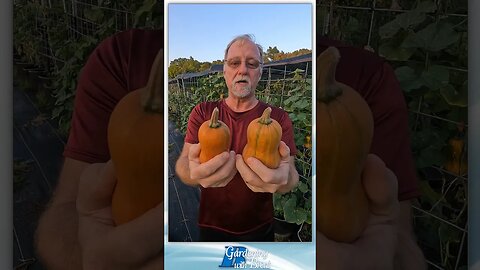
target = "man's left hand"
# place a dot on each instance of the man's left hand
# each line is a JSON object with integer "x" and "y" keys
{"x": 260, "y": 178}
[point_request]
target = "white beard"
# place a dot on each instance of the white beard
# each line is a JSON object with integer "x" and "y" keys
{"x": 241, "y": 91}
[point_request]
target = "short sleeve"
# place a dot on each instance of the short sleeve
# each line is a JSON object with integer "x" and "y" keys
{"x": 115, "y": 67}
{"x": 195, "y": 120}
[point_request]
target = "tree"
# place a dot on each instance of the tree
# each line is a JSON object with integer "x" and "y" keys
{"x": 271, "y": 54}
{"x": 183, "y": 65}
{"x": 188, "y": 65}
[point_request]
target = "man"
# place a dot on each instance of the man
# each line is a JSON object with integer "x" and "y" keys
{"x": 66, "y": 237}
{"x": 236, "y": 201}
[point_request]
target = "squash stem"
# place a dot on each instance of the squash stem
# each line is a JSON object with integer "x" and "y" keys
{"x": 152, "y": 95}
{"x": 265, "y": 118}
{"x": 214, "y": 119}
{"x": 327, "y": 87}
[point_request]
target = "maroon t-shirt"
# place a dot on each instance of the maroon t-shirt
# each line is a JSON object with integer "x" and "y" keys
{"x": 235, "y": 208}
{"x": 119, "y": 64}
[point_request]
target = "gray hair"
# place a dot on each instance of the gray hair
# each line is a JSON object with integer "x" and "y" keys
{"x": 245, "y": 37}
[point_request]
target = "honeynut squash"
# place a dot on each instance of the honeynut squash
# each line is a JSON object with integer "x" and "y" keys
{"x": 135, "y": 140}
{"x": 344, "y": 131}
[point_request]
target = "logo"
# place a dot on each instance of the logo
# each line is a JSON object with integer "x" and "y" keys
{"x": 243, "y": 258}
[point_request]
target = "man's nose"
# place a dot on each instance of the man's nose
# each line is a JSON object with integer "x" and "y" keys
{"x": 242, "y": 69}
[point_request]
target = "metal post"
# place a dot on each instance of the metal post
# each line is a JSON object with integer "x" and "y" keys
{"x": 267, "y": 88}
{"x": 283, "y": 87}
{"x": 371, "y": 22}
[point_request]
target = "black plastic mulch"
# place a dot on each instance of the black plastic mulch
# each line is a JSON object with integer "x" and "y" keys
{"x": 183, "y": 199}
{"x": 37, "y": 154}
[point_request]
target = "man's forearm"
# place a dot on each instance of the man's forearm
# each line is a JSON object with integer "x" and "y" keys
{"x": 57, "y": 237}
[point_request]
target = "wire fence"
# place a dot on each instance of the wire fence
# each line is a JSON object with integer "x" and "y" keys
{"x": 287, "y": 86}
{"x": 440, "y": 216}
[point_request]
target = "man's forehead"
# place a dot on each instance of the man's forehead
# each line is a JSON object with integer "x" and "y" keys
{"x": 241, "y": 45}
{"x": 242, "y": 42}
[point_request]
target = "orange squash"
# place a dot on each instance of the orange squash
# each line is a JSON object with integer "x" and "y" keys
{"x": 135, "y": 140}
{"x": 457, "y": 162}
{"x": 263, "y": 139}
{"x": 214, "y": 137}
{"x": 344, "y": 131}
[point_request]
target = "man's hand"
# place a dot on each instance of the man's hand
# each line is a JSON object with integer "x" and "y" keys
{"x": 375, "y": 248}
{"x": 260, "y": 178}
{"x": 217, "y": 172}
{"x": 134, "y": 245}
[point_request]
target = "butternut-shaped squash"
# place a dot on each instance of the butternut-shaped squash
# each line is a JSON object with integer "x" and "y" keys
{"x": 135, "y": 140}
{"x": 214, "y": 137}
{"x": 344, "y": 134}
{"x": 457, "y": 162}
{"x": 263, "y": 139}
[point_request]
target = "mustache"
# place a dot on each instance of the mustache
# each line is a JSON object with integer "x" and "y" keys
{"x": 243, "y": 78}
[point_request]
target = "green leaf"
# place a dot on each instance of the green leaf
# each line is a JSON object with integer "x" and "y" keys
{"x": 436, "y": 77}
{"x": 279, "y": 201}
{"x": 408, "y": 78}
{"x": 453, "y": 97}
{"x": 448, "y": 234}
{"x": 292, "y": 213}
{"x": 57, "y": 112}
{"x": 94, "y": 14}
{"x": 402, "y": 21}
{"x": 410, "y": 18}
{"x": 352, "y": 25}
{"x": 146, "y": 8}
{"x": 291, "y": 100}
{"x": 428, "y": 193}
{"x": 393, "y": 52}
{"x": 435, "y": 37}
{"x": 302, "y": 187}
{"x": 389, "y": 29}
{"x": 303, "y": 104}
{"x": 405, "y": 73}
{"x": 430, "y": 155}
{"x": 426, "y": 6}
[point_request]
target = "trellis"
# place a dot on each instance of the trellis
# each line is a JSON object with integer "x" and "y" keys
{"x": 373, "y": 14}
{"x": 272, "y": 74}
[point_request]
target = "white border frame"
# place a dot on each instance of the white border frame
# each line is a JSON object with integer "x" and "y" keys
{"x": 201, "y": 255}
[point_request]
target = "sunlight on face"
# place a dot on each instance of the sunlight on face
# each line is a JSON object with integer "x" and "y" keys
{"x": 242, "y": 69}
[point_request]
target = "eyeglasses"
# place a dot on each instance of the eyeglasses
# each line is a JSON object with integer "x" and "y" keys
{"x": 235, "y": 63}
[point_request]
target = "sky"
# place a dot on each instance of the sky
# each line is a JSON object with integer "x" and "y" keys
{"x": 202, "y": 31}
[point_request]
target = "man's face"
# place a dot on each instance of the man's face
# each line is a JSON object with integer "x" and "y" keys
{"x": 242, "y": 69}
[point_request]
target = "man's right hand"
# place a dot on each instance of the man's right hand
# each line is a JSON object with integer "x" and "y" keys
{"x": 217, "y": 172}
{"x": 375, "y": 248}
{"x": 137, "y": 244}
